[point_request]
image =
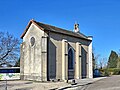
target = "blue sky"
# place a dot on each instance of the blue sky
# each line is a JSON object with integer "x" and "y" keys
{"x": 99, "y": 18}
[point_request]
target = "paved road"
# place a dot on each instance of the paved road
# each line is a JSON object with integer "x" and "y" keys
{"x": 32, "y": 85}
{"x": 110, "y": 83}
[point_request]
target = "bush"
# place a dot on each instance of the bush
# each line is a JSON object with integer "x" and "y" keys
{"x": 110, "y": 71}
{"x": 116, "y": 72}
{"x": 106, "y": 72}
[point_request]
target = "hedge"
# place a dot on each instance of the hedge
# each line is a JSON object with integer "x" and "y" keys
{"x": 110, "y": 71}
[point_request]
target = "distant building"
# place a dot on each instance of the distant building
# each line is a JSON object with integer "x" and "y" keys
{"x": 49, "y": 52}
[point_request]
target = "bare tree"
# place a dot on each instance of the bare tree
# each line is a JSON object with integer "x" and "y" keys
{"x": 95, "y": 59}
{"x": 103, "y": 63}
{"x": 9, "y": 49}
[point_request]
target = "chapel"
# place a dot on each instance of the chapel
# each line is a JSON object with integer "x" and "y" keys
{"x": 49, "y": 52}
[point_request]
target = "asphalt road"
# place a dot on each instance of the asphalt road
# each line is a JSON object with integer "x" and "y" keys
{"x": 110, "y": 83}
{"x": 102, "y": 83}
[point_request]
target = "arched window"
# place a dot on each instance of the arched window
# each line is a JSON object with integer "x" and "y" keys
{"x": 70, "y": 58}
{"x": 32, "y": 41}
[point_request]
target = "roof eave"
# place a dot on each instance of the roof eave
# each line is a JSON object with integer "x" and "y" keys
{"x": 70, "y": 35}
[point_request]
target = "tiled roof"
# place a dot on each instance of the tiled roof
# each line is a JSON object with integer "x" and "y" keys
{"x": 55, "y": 29}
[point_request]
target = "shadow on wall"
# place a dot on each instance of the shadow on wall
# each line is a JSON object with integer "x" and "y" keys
{"x": 52, "y": 60}
{"x": 84, "y": 63}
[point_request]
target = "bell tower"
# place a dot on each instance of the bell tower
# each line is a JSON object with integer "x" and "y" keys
{"x": 76, "y": 28}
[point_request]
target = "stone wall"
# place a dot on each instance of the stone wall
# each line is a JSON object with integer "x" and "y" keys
{"x": 55, "y": 54}
{"x": 31, "y": 56}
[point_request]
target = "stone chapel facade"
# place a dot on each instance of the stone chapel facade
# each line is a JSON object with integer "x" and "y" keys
{"x": 49, "y": 52}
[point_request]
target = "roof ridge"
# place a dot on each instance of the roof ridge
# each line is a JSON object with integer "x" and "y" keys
{"x": 52, "y": 26}
{"x": 62, "y": 28}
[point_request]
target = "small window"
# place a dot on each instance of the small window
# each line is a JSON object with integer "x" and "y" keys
{"x": 32, "y": 41}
